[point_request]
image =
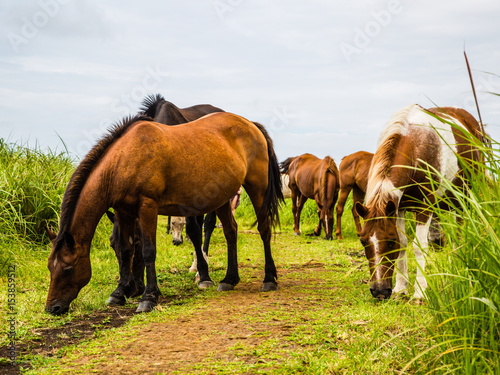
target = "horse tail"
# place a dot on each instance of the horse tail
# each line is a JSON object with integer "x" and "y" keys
{"x": 274, "y": 195}
{"x": 285, "y": 164}
{"x": 330, "y": 169}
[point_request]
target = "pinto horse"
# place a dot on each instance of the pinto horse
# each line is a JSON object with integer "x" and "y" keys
{"x": 417, "y": 150}
{"x": 143, "y": 169}
{"x": 313, "y": 178}
{"x": 353, "y": 170}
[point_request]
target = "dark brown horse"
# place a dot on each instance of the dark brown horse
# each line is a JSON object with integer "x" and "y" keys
{"x": 353, "y": 171}
{"x": 143, "y": 169}
{"x": 165, "y": 112}
{"x": 313, "y": 178}
{"x": 418, "y": 150}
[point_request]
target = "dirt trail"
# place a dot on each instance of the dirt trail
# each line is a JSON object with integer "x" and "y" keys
{"x": 226, "y": 322}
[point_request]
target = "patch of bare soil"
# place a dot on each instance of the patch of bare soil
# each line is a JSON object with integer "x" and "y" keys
{"x": 180, "y": 344}
{"x": 47, "y": 341}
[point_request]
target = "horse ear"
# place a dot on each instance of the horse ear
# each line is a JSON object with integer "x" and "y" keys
{"x": 69, "y": 240}
{"x": 361, "y": 209}
{"x": 391, "y": 209}
{"x": 52, "y": 235}
{"x": 111, "y": 216}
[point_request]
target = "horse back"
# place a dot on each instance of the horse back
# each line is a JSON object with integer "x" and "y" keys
{"x": 413, "y": 140}
{"x": 310, "y": 174}
{"x": 353, "y": 170}
{"x": 204, "y": 161}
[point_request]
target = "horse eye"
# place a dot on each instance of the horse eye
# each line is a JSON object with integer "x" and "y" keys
{"x": 68, "y": 271}
{"x": 391, "y": 244}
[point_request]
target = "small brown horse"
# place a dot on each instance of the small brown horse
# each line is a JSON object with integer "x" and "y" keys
{"x": 313, "y": 178}
{"x": 353, "y": 171}
{"x": 143, "y": 169}
{"x": 418, "y": 149}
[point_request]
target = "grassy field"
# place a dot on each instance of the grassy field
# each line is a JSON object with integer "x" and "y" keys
{"x": 321, "y": 320}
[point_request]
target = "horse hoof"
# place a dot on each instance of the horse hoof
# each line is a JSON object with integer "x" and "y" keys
{"x": 296, "y": 234}
{"x": 269, "y": 286}
{"x": 114, "y": 301}
{"x": 205, "y": 284}
{"x": 225, "y": 287}
{"x": 145, "y": 306}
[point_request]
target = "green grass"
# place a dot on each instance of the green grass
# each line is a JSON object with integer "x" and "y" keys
{"x": 464, "y": 290}
{"x": 338, "y": 328}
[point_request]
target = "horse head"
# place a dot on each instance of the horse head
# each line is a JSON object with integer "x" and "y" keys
{"x": 380, "y": 239}
{"x": 70, "y": 271}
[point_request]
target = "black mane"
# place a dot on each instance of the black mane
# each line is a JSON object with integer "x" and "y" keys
{"x": 85, "y": 168}
{"x": 150, "y": 104}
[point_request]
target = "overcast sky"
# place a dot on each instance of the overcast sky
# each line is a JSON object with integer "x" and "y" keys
{"x": 322, "y": 75}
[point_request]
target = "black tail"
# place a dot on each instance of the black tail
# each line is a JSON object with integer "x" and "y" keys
{"x": 285, "y": 164}
{"x": 274, "y": 195}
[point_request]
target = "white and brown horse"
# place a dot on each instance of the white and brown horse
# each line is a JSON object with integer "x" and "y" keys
{"x": 414, "y": 141}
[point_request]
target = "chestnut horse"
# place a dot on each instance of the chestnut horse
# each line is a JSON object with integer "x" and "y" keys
{"x": 143, "y": 169}
{"x": 165, "y": 112}
{"x": 313, "y": 178}
{"x": 353, "y": 170}
{"x": 417, "y": 150}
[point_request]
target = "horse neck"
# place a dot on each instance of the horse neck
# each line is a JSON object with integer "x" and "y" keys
{"x": 90, "y": 208}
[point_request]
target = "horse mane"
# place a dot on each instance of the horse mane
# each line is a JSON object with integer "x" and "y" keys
{"x": 85, "y": 168}
{"x": 285, "y": 164}
{"x": 150, "y": 104}
{"x": 380, "y": 189}
{"x": 330, "y": 169}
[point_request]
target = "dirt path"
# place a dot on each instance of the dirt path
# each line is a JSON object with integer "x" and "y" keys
{"x": 241, "y": 319}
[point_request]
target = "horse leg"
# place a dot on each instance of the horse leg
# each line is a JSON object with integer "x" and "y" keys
{"x": 210, "y": 221}
{"x": 194, "y": 231}
{"x": 298, "y": 201}
{"x": 328, "y": 218}
{"x": 138, "y": 266}
{"x": 131, "y": 273}
{"x": 264, "y": 227}
{"x": 401, "y": 286}
{"x": 435, "y": 232}
{"x": 209, "y": 224}
{"x": 317, "y": 231}
{"x": 230, "y": 228}
{"x": 148, "y": 219}
{"x": 420, "y": 246}
{"x": 357, "y": 196}
{"x": 344, "y": 193}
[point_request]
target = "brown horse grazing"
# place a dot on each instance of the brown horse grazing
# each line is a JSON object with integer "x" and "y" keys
{"x": 143, "y": 169}
{"x": 414, "y": 141}
{"x": 162, "y": 111}
{"x": 313, "y": 178}
{"x": 353, "y": 171}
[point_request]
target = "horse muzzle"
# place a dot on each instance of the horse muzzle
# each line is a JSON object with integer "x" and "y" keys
{"x": 57, "y": 307}
{"x": 381, "y": 293}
